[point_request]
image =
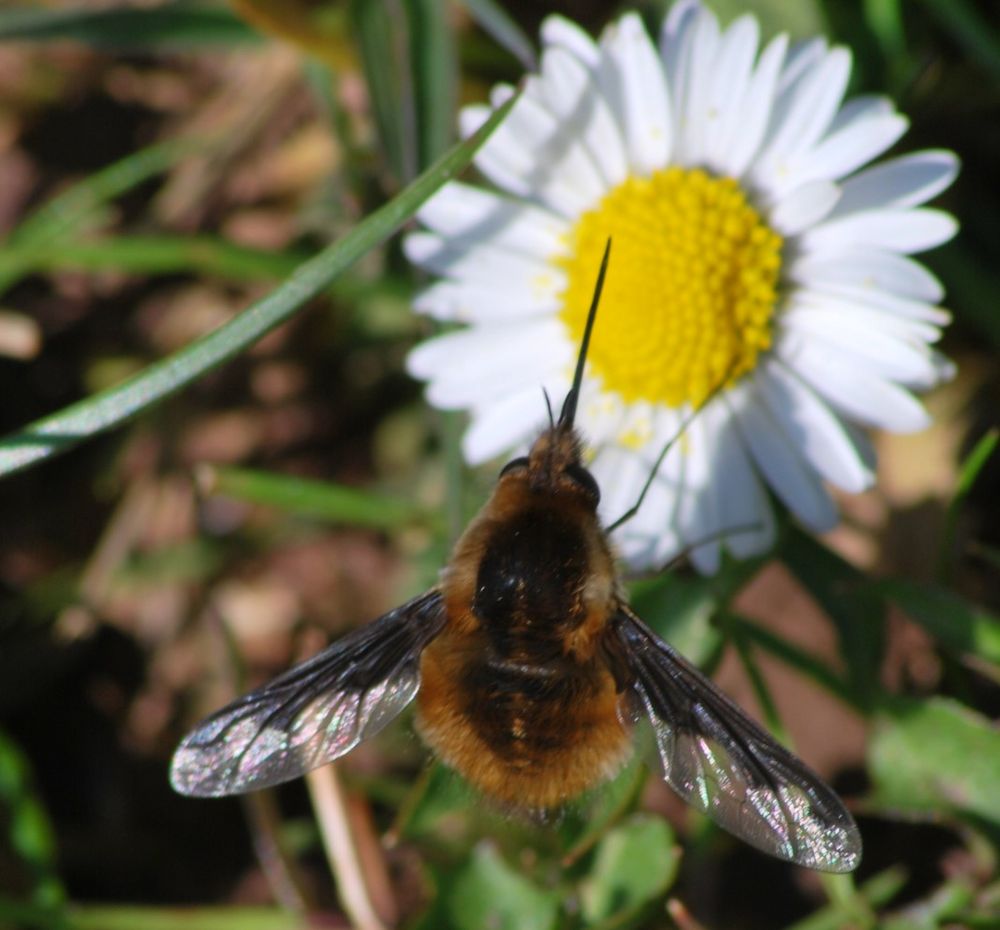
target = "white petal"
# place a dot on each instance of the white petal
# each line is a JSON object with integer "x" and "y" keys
{"x": 560, "y": 173}
{"x": 730, "y": 86}
{"x": 639, "y": 94}
{"x": 880, "y": 302}
{"x": 564, "y": 33}
{"x": 861, "y": 107}
{"x": 500, "y": 94}
{"x": 803, "y": 57}
{"x": 779, "y": 460}
{"x": 570, "y": 91}
{"x": 909, "y": 230}
{"x": 478, "y": 215}
{"x": 860, "y": 308}
{"x": 679, "y": 18}
{"x": 803, "y": 119}
{"x": 804, "y": 207}
{"x": 855, "y": 145}
{"x": 471, "y": 117}
{"x": 504, "y": 424}
{"x": 746, "y": 511}
{"x": 851, "y": 387}
{"x": 692, "y": 80}
{"x": 532, "y": 155}
{"x": 653, "y": 535}
{"x": 468, "y": 302}
{"x": 698, "y": 509}
{"x": 750, "y": 516}
{"x": 472, "y": 355}
{"x": 881, "y": 352}
{"x": 814, "y": 428}
{"x": 747, "y": 135}
{"x": 485, "y": 264}
{"x": 621, "y": 474}
{"x": 907, "y": 181}
{"x": 869, "y": 270}
{"x": 675, "y": 44}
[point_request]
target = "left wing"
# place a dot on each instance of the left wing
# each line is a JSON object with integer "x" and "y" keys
{"x": 725, "y": 765}
{"x": 315, "y": 712}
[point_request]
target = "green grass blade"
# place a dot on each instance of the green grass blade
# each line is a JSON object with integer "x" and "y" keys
{"x": 974, "y": 463}
{"x": 96, "y": 917}
{"x": 100, "y": 412}
{"x": 29, "y": 839}
{"x": 741, "y": 642}
{"x": 791, "y": 655}
{"x": 848, "y": 600}
{"x": 498, "y": 23}
{"x": 972, "y": 30}
{"x": 959, "y": 625}
{"x": 385, "y": 55}
{"x": 435, "y": 76}
{"x": 69, "y": 211}
{"x": 151, "y": 255}
{"x": 207, "y": 255}
{"x": 182, "y": 25}
{"x": 319, "y": 500}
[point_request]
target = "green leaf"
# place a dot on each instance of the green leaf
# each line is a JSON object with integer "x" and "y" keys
{"x": 959, "y": 625}
{"x": 320, "y": 500}
{"x": 439, "y": 793}
{"x": 680, "y": 606}
{"x": 498, "y": 23}
{"x": 858, "y": 909}
{"x": 680, "y": 609}
{"x": 65, "y": 429}
{"x": 585, "y": 821}
{"x": 934, "y": 755}
{"x": 848, "y": 599}
{"x": 30, "y": 839}
{"x": 487, "y": 892}
{"x": 800, "y": 19}
{"x": 182, "y": 24}
{"x": 635, "y": 863}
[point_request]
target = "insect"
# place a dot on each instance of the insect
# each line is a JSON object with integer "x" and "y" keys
{"x": 530, "y": 672}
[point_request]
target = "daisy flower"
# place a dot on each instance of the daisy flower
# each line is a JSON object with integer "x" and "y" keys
{"x": 759, "y": 275}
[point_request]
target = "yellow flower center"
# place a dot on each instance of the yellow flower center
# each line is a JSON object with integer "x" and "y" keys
{"x": 690, "y": 291}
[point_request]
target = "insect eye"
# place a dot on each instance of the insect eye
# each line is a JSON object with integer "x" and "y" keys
{"x": 513, "y": 464}
{"x": 579, "y": 475}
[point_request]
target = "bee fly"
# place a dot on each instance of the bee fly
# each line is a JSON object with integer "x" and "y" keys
{"x": 530, "y": 670}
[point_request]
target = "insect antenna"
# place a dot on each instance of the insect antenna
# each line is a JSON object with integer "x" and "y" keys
{"x": 548, "y": 407}
{"x": 568, "y": 413}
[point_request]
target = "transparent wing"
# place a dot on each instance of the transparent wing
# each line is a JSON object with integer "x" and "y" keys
{"x": 315, "y": 712}
{"x": 722, "y": 763}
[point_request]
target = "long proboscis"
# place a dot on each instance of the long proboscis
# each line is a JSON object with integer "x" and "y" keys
{"x": 568, "y": 414}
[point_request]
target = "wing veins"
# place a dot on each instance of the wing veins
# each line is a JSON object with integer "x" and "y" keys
{"x": 370, "y": 674}
{"x": 785, "y": 809}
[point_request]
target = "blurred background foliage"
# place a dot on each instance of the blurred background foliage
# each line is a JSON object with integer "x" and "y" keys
{"x": 165, "y": 165}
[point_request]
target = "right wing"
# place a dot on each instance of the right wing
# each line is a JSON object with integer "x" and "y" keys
{"x": 315, "y": 712}
{"x": 725, "y": 765}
